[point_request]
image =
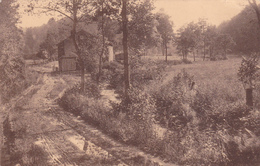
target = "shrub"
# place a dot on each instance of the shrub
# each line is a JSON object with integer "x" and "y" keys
{"x": 113, "y": 73}
{"x": 256, "y": 94}
{"x": 139, "y": 108}
{"x": 203, "y": 148}
{"x": 169, "y": 100}
{"x": 201, "y": 104}
{"x": 12, "y": 76}
{"x": 146, "y": 71}
{"x": 73, "y": 100}
{"x": 186, "y": 61}
{"x": 132, "y": 123}
{"x": 175, "y": 62}
{"x": 204, "y": 128}
{"x": 142, "y": 72}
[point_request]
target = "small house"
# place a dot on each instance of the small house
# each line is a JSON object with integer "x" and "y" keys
{"x": 67, "y": 57}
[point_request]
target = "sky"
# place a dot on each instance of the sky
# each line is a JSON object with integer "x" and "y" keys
{"x": 181, "y": 11}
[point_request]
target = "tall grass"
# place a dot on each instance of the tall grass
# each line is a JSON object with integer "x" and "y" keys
{"x": 207, "y": 125}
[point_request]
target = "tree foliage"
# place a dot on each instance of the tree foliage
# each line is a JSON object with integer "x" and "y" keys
{"x": 248, "y": 71}
{"x": 244, "y": 30}
{"x": 210, "y": 40}
{"x": 77, "y": 11}
{"x": 11, "y": 63}
{"x": 165, "y": 29}
{"x": 224, "y": 43}
{"x": 186, "y": 39}
{"x": 201, "y": 37}
{"x": 141, "y": 26}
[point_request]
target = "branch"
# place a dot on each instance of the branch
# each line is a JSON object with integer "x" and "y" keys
{"x": 83, "y": 15}
{"x": 250, "y": 3}
{"x": 55, "y": 10}
{"x": 253, "y": 4}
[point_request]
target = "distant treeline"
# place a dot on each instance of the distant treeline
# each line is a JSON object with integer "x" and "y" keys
{"x": 44, "y": 37}
{"x": 244, "y": 30}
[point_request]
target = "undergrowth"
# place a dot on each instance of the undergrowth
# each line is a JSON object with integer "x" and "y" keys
{"x": 199, "y": 128}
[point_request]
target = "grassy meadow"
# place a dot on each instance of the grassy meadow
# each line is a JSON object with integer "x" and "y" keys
{"x": 216, "y": 78}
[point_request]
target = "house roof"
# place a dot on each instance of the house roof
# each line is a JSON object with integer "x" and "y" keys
{"x": 72, "y": 54}
{"x": 79, "y": 33}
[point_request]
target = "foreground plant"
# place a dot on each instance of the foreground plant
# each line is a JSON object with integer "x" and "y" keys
{"x": 248, "y": 73}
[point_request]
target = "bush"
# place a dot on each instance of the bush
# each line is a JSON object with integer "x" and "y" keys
{"x": 73, "y": 99}
{"x": 131, "y": 122}
{"x": 12, "y": 76}
{"x": 233, "y": 124}
{"x": 142, "y": 72}
{"x": 175, "y": 62}
{"x": 200, "y": 128}
{"x": 186, "y": 61}
{"x": 169, "y": 100}
{"x": 113, "y": 73}
{"x": 256, "y": 94}
{"x": 145, "y": 72}
{"x": 139, "y": 109}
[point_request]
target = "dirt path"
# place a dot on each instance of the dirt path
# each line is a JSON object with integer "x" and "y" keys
{"x": 39, "y": 132}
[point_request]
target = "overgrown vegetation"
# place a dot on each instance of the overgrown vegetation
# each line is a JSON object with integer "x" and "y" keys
{"x": 174, "y": 119}
{"x": 12, "y": 68}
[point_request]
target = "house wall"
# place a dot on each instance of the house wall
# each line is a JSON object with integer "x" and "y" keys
{"x": 67, "y": 55}
{"x": 69, "y": 49}
{"x": 68, "y": 64}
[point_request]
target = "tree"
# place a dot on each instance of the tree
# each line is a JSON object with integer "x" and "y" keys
{"x": 203, "y": 27}
{"x": 165, "y": 29}
{"x": 12, "y": 76}
{"x": 141, "y": 26}
{"x": 51, "y": 39}
{"x": 29, "y": 42}
{"x": 196, "y": 37}
{"x": 224, "y": 43}
{"x": 244, "y": 30}
{"x": 125, "y": 47}
{"x": 254, "y": 5}
{"x": 210, "y": 40}
{"x": 105, "y": 9}
{"x": 248, "y": 74}
{"x": 77, "y": 11}
{"x": 186, "y": 39}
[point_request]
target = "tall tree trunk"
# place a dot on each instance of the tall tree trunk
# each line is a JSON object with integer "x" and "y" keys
{"x": 82, "y": 87}
{"x": 210, "y": 53}
{"x": 194, "y": 56}
{"x": 78, "y": 52}
{"x": 162, "y": 47}
{"x": 204, "y": 51}
{"x": 103, "y": 44}
{"x": 125, "y": 48}
{"x": 166, "y": 53}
